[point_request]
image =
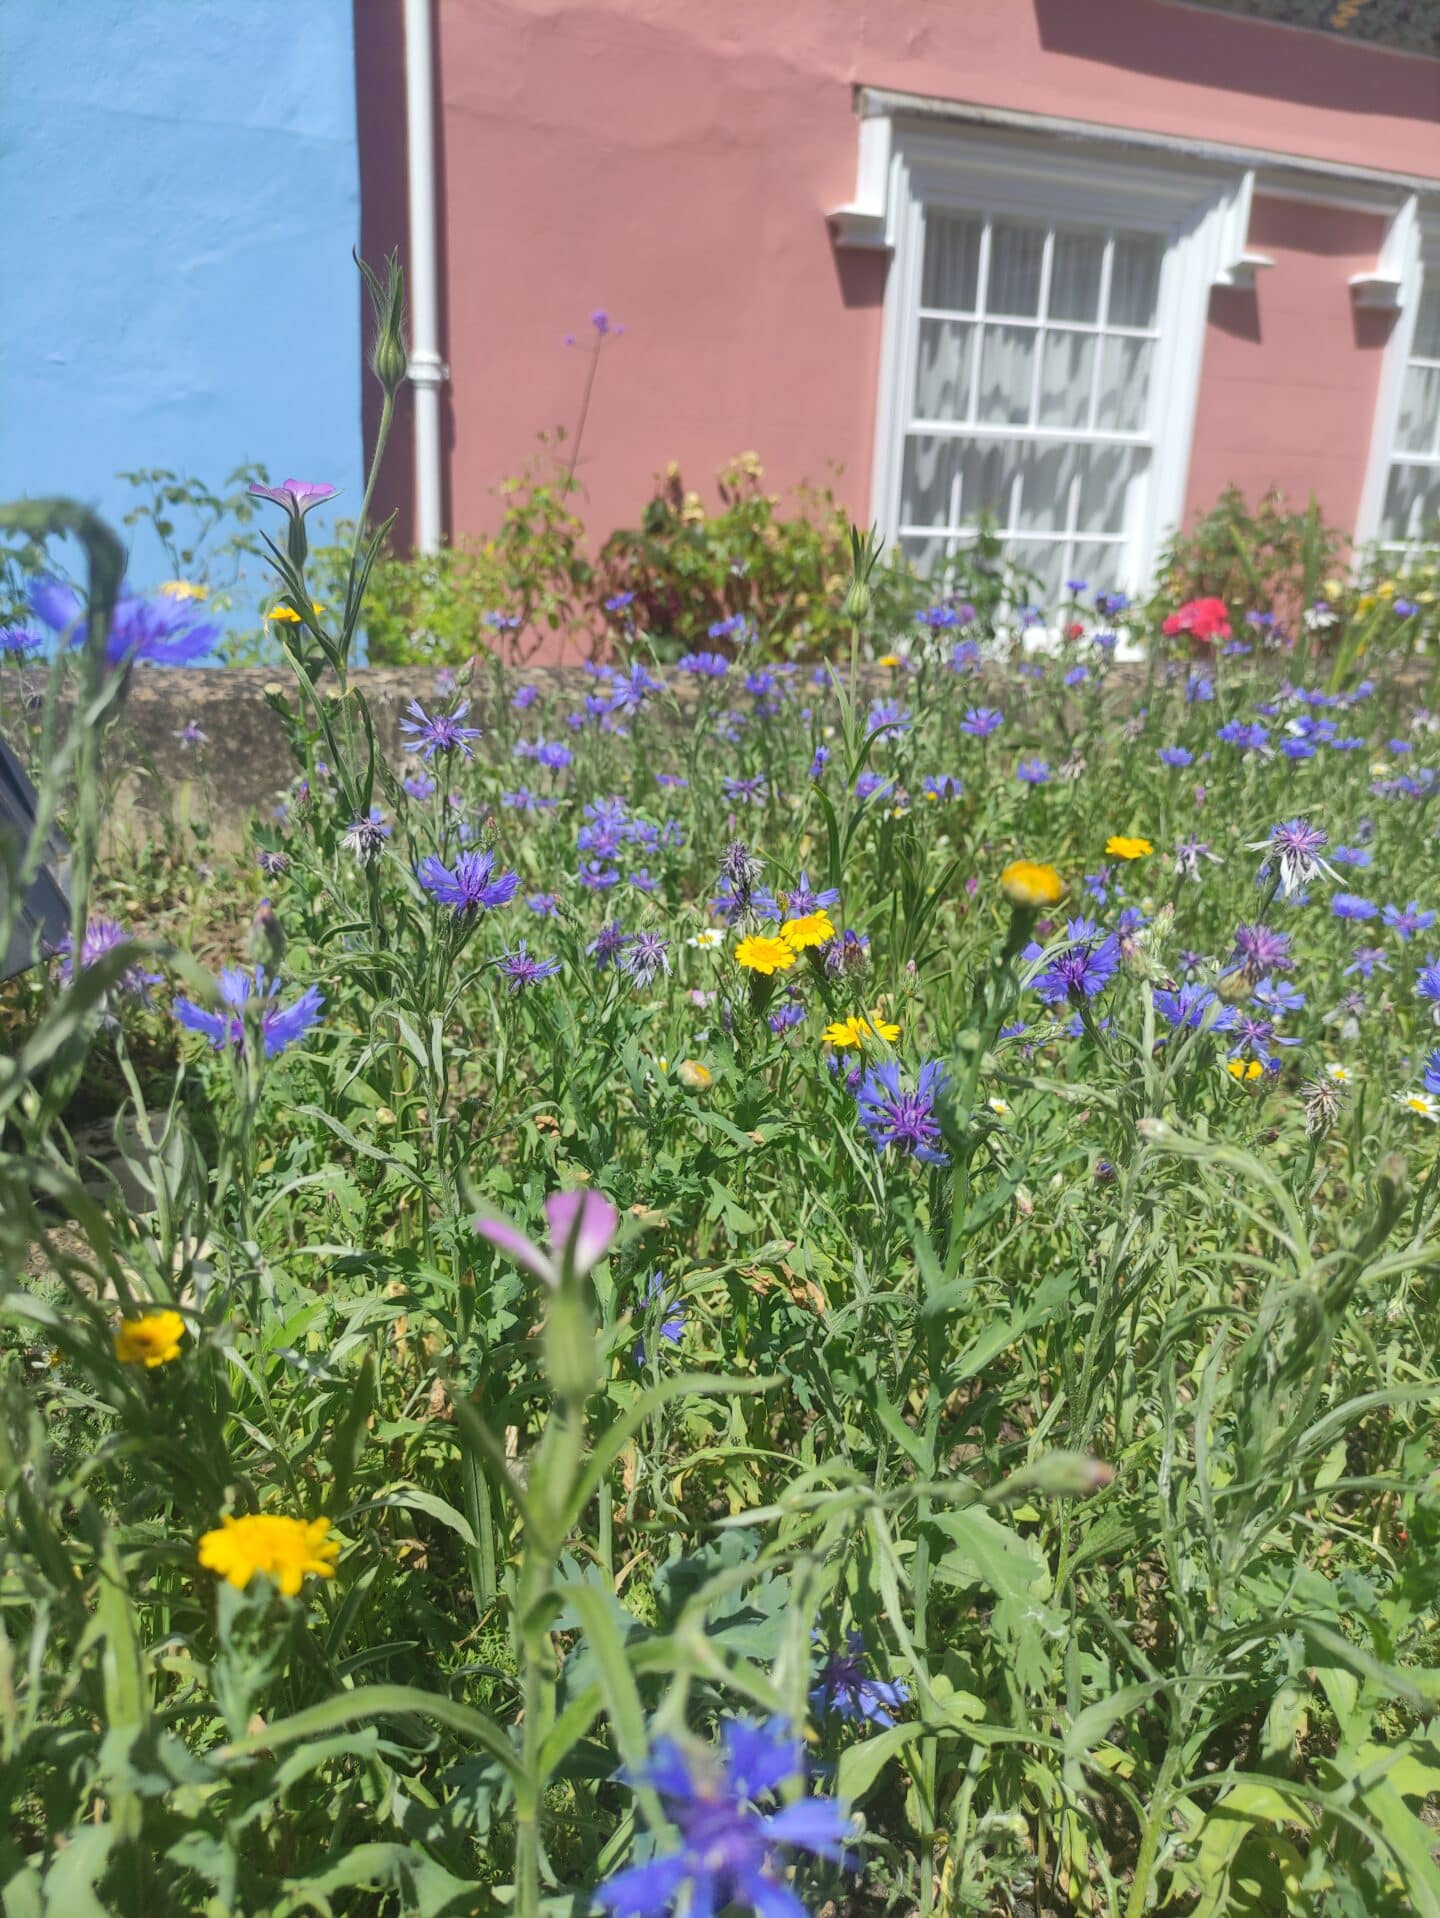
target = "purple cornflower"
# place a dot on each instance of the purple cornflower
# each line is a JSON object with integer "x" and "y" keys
{"x": 523, "y": 800}
{"x": 785, "y": 1018}
{"x": 272, "y": 863}
{"x": 160, "y": 628}
{"x": 365, "y": 838}
{"x": 1083, "y": 969}
{"x": 418, "y": 786}
{"x": 1406, "y": 921}
{"x": 298, "y": 497}
{"x": 849, "y": 953}
{"x": 470, "y": 885}
{"x": 607, "y": 945}
{"x": 893, "y": 1116}
{"x": 441, "y": 733}
{"x": 644, "y": 959}
{"x": 617, "y": 602}
{"x": 524, "y": 697}
{"x": 1175, "y": 756}
{"x": 740, "y": 873}
{"x": 280, "y": 1025}
{"x": 595, "y": 876}
{"x": 642, "y": 879}
{"x": 670, "y": 1311}
{"x": 844, "y": 1689}
{"x": 1188, "y": 1006}
{"x": 102, "y": 936}
{"x": 1367, "y": 960}
{"x": 1293, "y": 850}
{"x": 981, "y": 721}
{"x": 192, "y": 734}
{"x": 633, "y": 687}
{"x": 1352, "y": 856}
{"x": 1188, "y": 855}
{"x": 543, "y": 904}
{"x": 1261, "y": 949}
{"x": 1349, "y": 905}
{"x": 745, "y": 792}
{"x": 965, "y": 653}
{"x": 728, "y": 1845}
{"x": 1032, "y": 772}
{"x": 522, "y": 969}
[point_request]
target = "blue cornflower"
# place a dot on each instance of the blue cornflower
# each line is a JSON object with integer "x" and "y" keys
{"x": 1260, "y": 949}
{"x": 441, "y": 733}
{"x": 617, "y": 602}
{"x": 470, "y": 885}
{"x": 819, "y": 762}
{"x": 1175, "y": 756}
{"x": 1367, "y": 960}
{"x": 802, "y": 898}
{"x": 1188, "y": 1006}
{"x": 543, "y": 904}
{"x": 1112, "y": 603}
{"x": 670, "y": 1311}
{"x": 888, "y": 713}
{"x": 1406, "y": 921}
{"x": 965, "y": 653}
{"x": 1292, "y": 849}
{"x": 101, "y": 937}
{"x": 524, "y": 697}
{"x": 523, "y": 800}
{"x": 1278, "y": 997}
{"x": 1349, "y": 905}
{"x": 704, "y": 665}
{"x": 596, "y": 876}
{"x": 871, "y": 784}
{"x": 1297, "y": 748}
{"x": 844, "y": 1689}
{"x": 642, "y": 879}
{"x": 160, "y": 628}
{"x": 632, "y": 688}
{"x": 1352, "y": 855}
{"x": 1430, "y": 1077}
{"x": 280, "y": 1026}
{"x": 745, "y": 791}
{"x": 1199, "y": 689}
{"x": 736, "y": 627}
{"x": 786, "y": 1017}
{"x": 644, "y": 959}
{"x": 1250, "y": 737}
{"x": 727, "y": 1843}
{"x": 1032, "y": 772}
{"x": 894, "y": 1116}
{"x": 1404, "y": 609}
{"x": 1083, "y": 969}
{"x": 1076, "y": 676}
{"x": 19, "y": 640}
{"x": 981, "y": 721}
{"x": 937, "y": 618}
{"x": 942, "y": 786}
{"x": 522, "y": 969}
{"x": 418, "y": 786}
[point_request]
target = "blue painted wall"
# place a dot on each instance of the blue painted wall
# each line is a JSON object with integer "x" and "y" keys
{"x": 179, "y": 195}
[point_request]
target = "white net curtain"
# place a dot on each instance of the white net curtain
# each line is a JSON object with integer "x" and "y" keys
{"x": 1031, "y": 405}
{"x": 1411, "y": 514}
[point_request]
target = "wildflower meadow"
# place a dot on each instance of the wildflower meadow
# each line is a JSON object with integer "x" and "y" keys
{"x": 730, "y": 1282}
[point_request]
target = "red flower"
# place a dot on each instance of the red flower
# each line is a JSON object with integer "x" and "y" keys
{"x": 1204, "y": 619}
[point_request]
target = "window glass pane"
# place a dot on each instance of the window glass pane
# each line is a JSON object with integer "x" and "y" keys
{"x": 927, "y": 556}
{"x": 925, "y": 482}
{"x": 1104, "y": 479}
{"x": 1045, "y": 476}
{"x": 1015, "y": 256}
{"x": 1412, "y": 503}
{"x": 1123, "y": 403}
{"x": 1007, "y": 363}
{"x": 985, "y": 475}
{"x": 1098, "y": 565}
{"x": 942, "y": 370}
{"x": 1046, "y": 560}
{"x": 1419, "y": 410}
{"x": 1135, "y": 279}
{"x": 1075, "y": 261}
{"x": 952, "y": 262}
{"x": 1427, "y": 318}
{"x": 1066, "y": 363}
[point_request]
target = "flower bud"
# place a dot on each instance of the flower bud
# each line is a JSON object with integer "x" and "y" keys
{"x": 265, "y": 942}
{"x": 389, "y": 360}
{"x": 693, "y": 1076}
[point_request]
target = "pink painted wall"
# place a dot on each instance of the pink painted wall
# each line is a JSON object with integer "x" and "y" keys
{"x": 1292, "y": 368}
{"x": 671, "y": 160}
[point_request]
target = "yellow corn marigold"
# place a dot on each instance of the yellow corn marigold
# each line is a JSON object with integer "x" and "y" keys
{"x": 1245, "y": 1070}
{"x": 1024, "y": 882}
{"x": 853, "y": 1032}
{"x": 283, "y": 1549}
{"x": 694, "y": 1076}
{"x": 151, "y": 1339}
{"x": 813, "y": 929}
{"x": 1121, "y": 846}
{"x": 763, "y": 954}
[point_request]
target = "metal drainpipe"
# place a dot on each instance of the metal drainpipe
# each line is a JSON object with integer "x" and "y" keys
{"x": 427, "y": 370}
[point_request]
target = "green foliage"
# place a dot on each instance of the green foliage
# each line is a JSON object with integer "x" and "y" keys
{"x": 1268, "y": 557}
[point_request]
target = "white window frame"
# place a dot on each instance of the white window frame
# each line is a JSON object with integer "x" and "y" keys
{"x": 1200, "y": 214}
{"x": 1412, "y": 249}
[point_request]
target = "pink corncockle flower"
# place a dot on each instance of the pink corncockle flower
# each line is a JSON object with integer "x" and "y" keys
{"x": 582, "y": 1225}
{"x": 296, "y": 496}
